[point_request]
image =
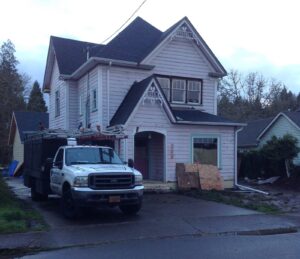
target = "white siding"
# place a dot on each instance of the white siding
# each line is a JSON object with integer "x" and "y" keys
{"x": 154, "y": 118}
{"x": 18, "y": 149}
{"x": 73, "y": 106}
{"x": 182, "y": 57}
{"x": 56, "y": 122}
{"x": 83, "y": 91}
{"x": 281, "y": 127}
{"x": 119, "y": 82}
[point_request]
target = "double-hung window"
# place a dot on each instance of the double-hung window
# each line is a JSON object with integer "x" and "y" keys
{"x": 194, "y": 92}
{"x": 165, "y": 85}
{"x": 57, "y": 103}
{"x": 178, "y": 90}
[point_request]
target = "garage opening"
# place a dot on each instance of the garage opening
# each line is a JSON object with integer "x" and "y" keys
{"x": 149, "y": 157}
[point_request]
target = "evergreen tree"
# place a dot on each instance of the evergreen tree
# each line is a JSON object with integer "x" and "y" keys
{"x": 11, "y": 94}
{"x": 36, "y": 101}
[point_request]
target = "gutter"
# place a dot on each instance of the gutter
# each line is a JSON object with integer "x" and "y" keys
{"x": 241, "y": 187}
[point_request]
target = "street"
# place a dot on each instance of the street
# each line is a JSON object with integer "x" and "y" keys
{"x": 231, "y": 247}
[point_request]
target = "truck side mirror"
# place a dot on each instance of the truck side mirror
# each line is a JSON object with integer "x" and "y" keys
{"x": 130, "y": 162}
{"x": 58, "y": 164}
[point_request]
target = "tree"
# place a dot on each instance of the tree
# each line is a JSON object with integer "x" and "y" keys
{"x": 11, "y": 94}
{"x": 36, "y": 101}
{"x": 253, "y": 96}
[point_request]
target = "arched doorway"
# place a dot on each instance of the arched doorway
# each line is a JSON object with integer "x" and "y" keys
{"x": 149, "y": 154}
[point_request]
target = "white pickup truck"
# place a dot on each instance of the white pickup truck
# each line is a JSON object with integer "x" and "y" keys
{"x": 83, "y": 176}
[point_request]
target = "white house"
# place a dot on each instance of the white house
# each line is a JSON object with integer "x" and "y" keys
{"x": 161, "y": 87}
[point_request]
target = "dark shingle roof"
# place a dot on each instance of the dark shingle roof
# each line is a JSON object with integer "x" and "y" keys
{"x": 133, "y": 43}
{"x": 29, "y": 121}
{"x": 129, "y": 102}
{"x": 194, "y": 115}
{"x": 71, "y": 54}
{"x": 294, "y": 116}
{"x": 247, "y": 137}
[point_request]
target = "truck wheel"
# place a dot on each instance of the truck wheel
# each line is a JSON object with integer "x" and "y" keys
{"x": 131, "y": 209}
{"x": 36, "y": 196}
{"x": 68, "y": 206}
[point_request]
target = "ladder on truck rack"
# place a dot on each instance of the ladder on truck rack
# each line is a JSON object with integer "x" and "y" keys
{"x": 110, "y": 133}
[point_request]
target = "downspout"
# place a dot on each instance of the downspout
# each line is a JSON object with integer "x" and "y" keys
{"x": 241, "y": 187}
{"x": 108, "y": 91}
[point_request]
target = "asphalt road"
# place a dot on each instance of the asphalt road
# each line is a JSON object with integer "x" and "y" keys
{"x": 231, "y": 247}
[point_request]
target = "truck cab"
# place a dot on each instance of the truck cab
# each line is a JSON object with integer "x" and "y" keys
{"x": 87, "y": 176}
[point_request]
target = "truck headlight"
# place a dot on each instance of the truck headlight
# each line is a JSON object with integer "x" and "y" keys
{"x": 138, "y": 179}
{"x": 81, "y": 181}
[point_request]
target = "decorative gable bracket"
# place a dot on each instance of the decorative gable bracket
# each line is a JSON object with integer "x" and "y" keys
{"x": 152, "y": 96}
{"x": 184, "y": 32}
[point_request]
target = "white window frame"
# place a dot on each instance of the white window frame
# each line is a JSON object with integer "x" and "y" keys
{"x": 184, "y": 90}
{"x": 208, "y": 137}
{"x": 94, "y": 101}
{"x": 57, "y": 103}
{"x": 189, "y": 90}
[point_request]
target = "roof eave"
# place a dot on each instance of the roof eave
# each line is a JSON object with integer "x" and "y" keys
{"x": 49, "y": 68}
{"x": 93, "y": 61}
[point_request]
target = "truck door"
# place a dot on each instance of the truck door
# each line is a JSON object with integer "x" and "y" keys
{"x": 57, "y": 172}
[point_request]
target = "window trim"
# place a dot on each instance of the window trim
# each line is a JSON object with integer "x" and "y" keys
{"x": 80, "y": 105}
{"x": 219, "y": 146}
{"x": 57, "y": 103}
{"x": 187, "y": 79}
{"x": 199, "y": 93}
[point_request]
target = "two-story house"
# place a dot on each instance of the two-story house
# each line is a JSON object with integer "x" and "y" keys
{"x": 161, "y": 87}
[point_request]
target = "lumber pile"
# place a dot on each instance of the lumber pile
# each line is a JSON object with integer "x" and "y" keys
{"x": 198, "y": 176}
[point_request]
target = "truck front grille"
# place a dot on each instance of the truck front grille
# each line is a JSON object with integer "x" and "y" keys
{"x": 111, "y": 181}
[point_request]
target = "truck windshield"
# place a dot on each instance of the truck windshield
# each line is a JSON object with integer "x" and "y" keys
{"x": 88, "y": 155}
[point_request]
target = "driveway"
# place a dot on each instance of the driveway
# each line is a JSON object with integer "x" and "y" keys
{"x": 163, "y": 215}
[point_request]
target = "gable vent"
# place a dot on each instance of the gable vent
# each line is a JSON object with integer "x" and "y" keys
{"x": 184, "y": 32}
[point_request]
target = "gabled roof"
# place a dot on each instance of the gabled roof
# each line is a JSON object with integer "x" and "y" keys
{"x": 131, "y": 99}
{"x": 247, "y": 137}
{"x": 27, "y": 121}
{"x": 71, "y": 54}
{"x": 138, "y": 40}
{"x": 293, "y": 117}
{"x": 177, "y": 116}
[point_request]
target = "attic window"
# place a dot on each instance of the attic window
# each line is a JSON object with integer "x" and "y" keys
{"x": 57, "y": 103}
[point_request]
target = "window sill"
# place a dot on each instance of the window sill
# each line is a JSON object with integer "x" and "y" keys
{"x": 94, "y": 110}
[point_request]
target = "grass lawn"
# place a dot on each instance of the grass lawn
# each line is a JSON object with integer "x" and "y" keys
{"x": 235, "y": 199}
{"x": 16, "y": 215}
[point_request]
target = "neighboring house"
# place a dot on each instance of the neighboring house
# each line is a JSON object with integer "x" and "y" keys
{"x": 258, "y": 132}
{"x": 161, "y": 87}
{"x": 22, "y": 122}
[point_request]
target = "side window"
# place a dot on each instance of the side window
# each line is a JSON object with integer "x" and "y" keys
{"x": 94, "y": 100}
{"x": 57, "y": 103}
{"x": 60, "y": 156}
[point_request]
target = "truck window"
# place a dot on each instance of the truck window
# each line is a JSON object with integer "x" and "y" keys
{"x": 86, "y": 155}
{"x": 60, "y": 156}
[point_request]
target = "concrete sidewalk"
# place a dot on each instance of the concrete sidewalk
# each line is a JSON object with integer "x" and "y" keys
{"x": 163, "y": 215}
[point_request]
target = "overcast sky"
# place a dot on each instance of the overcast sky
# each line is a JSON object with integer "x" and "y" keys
{"x": 248, "y": 35}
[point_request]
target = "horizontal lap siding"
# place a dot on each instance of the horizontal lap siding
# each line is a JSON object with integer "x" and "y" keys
{"x": 94, "y": 119}
{"x": 120, "y": 81}
{"x": 154, "y": 118}
{"x": 281, "y": 127}
{"x": 181, "y": 57}
{"x": 73, "y": 106}
{"x": 58, "y": 122}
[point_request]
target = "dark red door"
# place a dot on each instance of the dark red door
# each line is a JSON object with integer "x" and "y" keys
{"x": 141, "y": 160}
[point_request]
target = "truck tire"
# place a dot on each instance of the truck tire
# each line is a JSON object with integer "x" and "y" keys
{"x": 131, "y": 209}
{"x": 68, "y": 206}
{"x": 36, "y": 196}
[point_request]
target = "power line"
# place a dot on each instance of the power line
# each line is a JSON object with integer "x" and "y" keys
{"x": 125, "y": 21}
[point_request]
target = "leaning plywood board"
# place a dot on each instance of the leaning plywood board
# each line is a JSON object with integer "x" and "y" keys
{"x": 186, "y": 180}
{"x": 210, "y": 177}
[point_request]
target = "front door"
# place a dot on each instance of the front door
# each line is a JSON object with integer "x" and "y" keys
{"x": 141, "y": 160}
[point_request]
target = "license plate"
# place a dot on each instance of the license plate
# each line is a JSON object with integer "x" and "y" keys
{"x": 114, "y": 199}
